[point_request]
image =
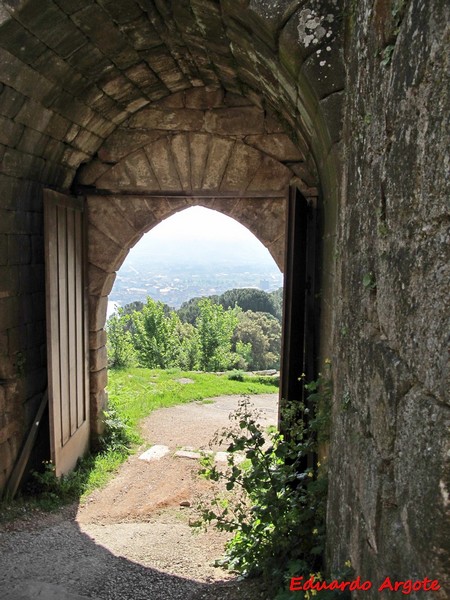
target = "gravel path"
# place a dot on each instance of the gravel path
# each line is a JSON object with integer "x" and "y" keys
{"x": 132, "y": 540}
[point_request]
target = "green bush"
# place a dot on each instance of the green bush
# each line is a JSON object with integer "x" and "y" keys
{"x": 236, "y": 375}
{"x": 277, "y": 506}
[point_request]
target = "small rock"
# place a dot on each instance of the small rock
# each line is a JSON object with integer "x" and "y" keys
{"x": 154, "y": 453}
{"x": 185, "y": 503}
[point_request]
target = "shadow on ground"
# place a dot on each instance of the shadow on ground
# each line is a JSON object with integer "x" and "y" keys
{"x": 55, "y": 560}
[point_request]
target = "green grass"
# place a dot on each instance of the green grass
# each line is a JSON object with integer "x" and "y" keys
{"x": 133, "y": 395}
{"x": 136, "y": 392}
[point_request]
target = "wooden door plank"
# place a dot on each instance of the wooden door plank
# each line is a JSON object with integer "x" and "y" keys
{"x": 71, "y": 313}
{"x": 79, "y": 333}
{"x": 67, "y": 329}
{"x": 52, "y": 311}
{"x": 63, "y": 325}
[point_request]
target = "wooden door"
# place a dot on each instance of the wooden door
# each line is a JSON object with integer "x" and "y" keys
{"x": 67, "y": 335}
{"x": 300, "y": 312}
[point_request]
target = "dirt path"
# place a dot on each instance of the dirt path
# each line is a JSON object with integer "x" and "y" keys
{"x": 132, "y": 540}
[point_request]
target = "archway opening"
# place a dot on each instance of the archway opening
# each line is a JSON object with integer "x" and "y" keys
{"x": 194, "y": 255}
{"x": 196, "y": 252}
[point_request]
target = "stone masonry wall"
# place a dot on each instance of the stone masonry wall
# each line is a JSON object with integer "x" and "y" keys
{"x": 72, "y": 71}
{"x": 389, "y": 471}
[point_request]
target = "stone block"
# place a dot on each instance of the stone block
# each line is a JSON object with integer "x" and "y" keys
{"x": 98, "y": 359}
{"x": 54, "y": 150}
{"x": 100, "y": 282}
{"x": 103, "y": 252}
{"x": 199, "y": 148}
{"x": 102, "y": 214}
{"x": 9, "y": 281}
{"x": 97, "y": 339}
{"x": 162, "y": 163}
{"x": 95, "y": 24}
{"x": 141, "y": 33}
{"x": 33, "y": 142}
{"x": 7, "y": 221}
{"x": 295, "y": 44}
{"x": 234, "y": 100}
{"x": 6, "y": 455}
{"x": 278, "y": 252}
{"x": 89, "y": 173}
{"x": 11, "y": 102}
{"x": 10, "y": 132}
{"x": 17, "y": 339}
{"x": 203, "y": 98}
{"x": 3, "y": 248}
{"x": 97, "y": 312}
{"x": 272, "y": 124}
{"x": 123, "y": 12}
{"x": 134, "y": 172}
{"x": 16, "y": 39}
{"x": 101, "y": 126}
{"x": 32, "y": 278}
{"x": 173, "y": 101}
{"x": 182, "y": 119}
{"x": 325, "y": 72}
{"x": 36, "y": 334}
{"x": 19, "y": 249}
{"x": 98, "y": 381}
{"x": 181, "y": 155}
{"x": 242, "y": 167}
{"x": 34, "y": 115}
{"x": 271, "y": 175}
{"x": 135, "y": 210}
{"x": 98, "y": 403}
{"x": 24, "y": 79}
{"x": 70, "y": 6}
{"x": 90, "y": 61}
{"x": 2, "y": 400}
{"x": 277, "y": 145}
{"x": 6, "y": 433}
{"x": 220, "y": 150}
{"x": 332, "y": 108}
{"x": 243, "y": 120}
{"x": 33, "y": 307}
{"x": 87, "y": 141}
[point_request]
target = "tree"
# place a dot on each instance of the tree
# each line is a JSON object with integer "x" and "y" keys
{"x": 121, "y": 352}
{"x": 248, "y": 299}
{"x": 155, "y": 338}
{"x": 215, "y": 328}
{"x": 262, "y": 332}
{"x": 189, "y": 346}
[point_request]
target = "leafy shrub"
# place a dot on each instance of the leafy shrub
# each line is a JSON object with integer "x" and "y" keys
{"x": 236, "y": 375}
{"x": 277, "y": 506}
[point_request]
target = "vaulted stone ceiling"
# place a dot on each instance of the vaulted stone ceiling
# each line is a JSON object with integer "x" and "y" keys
{"x": 73, "y": 70}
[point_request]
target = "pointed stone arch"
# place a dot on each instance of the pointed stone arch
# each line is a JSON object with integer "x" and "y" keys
{"x": 187, "y": 150}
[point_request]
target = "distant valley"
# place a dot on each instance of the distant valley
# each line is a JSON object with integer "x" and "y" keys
{"x": 175, "y": 273}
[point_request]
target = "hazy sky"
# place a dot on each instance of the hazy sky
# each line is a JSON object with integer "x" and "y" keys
{"x": 207, "y": 231}
{"x": 199, "y": 223}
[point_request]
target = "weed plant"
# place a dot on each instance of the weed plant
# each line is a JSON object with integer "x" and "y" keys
{"x": 273, "y": 504}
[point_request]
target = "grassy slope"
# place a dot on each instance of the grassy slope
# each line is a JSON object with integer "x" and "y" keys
{"x": 136, "y": 392}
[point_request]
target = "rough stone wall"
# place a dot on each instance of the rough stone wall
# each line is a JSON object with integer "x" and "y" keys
{"x": 72, "y": 71}
{"x": 389, "y": 472}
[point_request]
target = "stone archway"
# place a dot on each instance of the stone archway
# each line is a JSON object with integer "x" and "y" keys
{"x": 198, "y": 147}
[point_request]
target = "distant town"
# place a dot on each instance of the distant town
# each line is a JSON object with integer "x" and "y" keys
{"x": 174, "y": 285}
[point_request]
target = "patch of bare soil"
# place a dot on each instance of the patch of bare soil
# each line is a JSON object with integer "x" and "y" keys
{"x": 140, "y": 522}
